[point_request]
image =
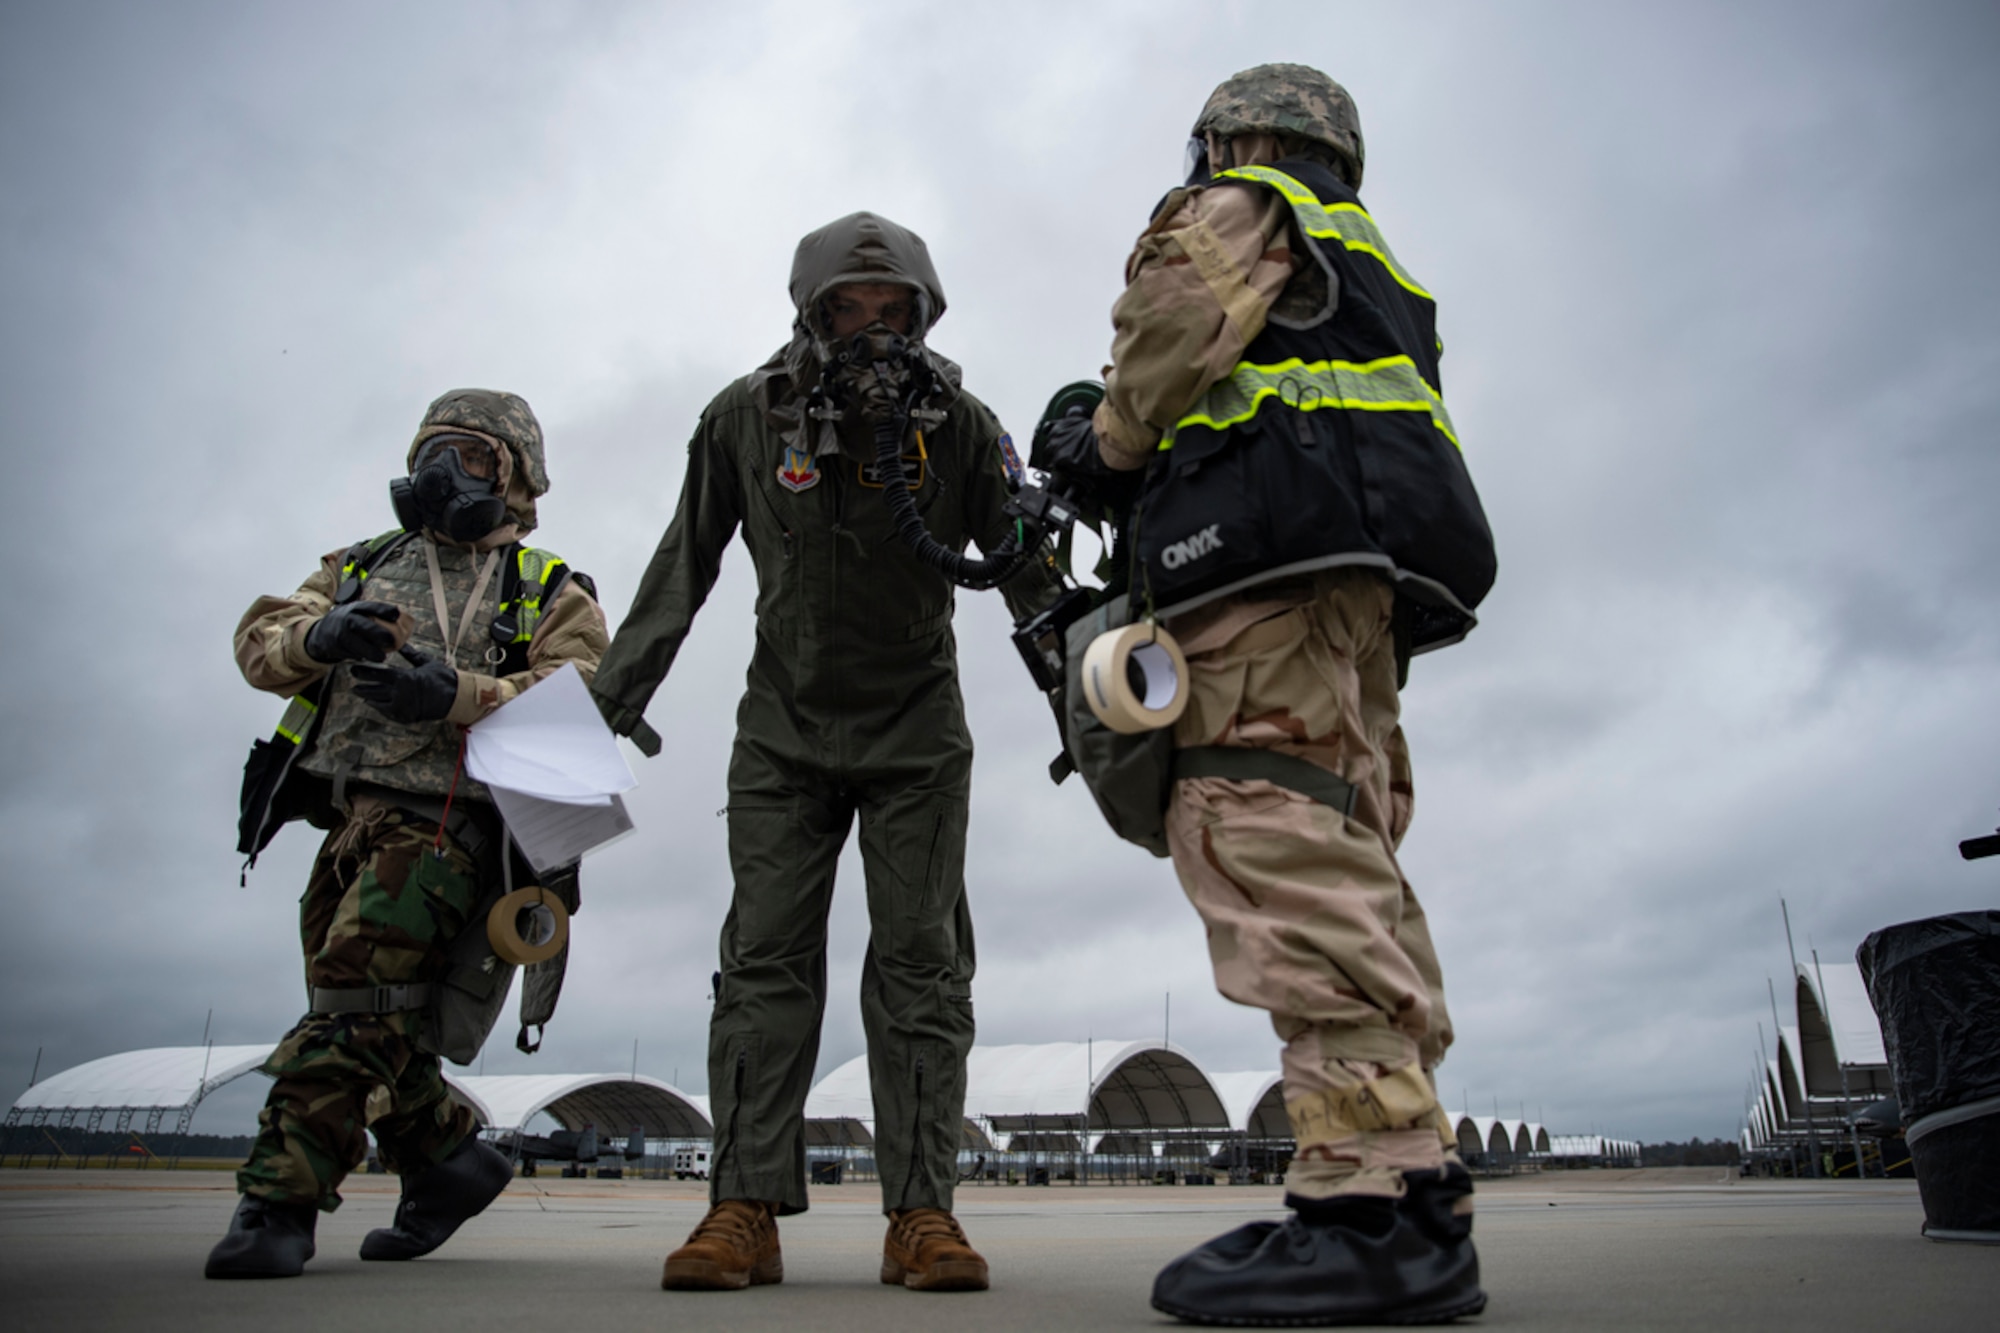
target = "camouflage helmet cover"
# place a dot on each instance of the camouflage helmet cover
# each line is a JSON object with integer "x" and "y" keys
{"x": 1288, "y": 99}
{"x": 505, "y": 416}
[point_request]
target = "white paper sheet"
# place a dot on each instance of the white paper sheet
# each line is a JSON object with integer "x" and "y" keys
{"x": 557, "y": 833}
{"x": 555, "y": 770}
{"x": 549, "y": 742}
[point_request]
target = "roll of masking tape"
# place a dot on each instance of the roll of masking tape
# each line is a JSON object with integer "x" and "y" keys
{"x": 1135, "y": 679}
{"x": 527, "y": 926}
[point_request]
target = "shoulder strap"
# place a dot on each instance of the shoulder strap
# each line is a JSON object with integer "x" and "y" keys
{"x": 364, "y": 556}
{"x": 530, "y": 579}
{"x": 302, "y": 710}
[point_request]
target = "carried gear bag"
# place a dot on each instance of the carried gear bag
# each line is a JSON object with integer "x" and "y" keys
{"x": 1129, "y": 776}
{"x": 1132, "y": 776}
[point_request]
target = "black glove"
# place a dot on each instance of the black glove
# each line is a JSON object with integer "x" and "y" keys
{"x": 424, "y": 693}
{"x": 1069, "y": 450}
{"x": 352, "y": 633}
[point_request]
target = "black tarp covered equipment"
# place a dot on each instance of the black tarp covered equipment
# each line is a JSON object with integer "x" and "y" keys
{"x": 1935, "y": 985}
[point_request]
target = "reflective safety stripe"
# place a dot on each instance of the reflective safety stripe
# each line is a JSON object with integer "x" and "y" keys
{"x": 356, "y": 567}
{"x": 298, "y": 719}
{"x": 536, "y": 566}
{"x": 353, "y": 570}
{"x": 1388, "y": 384}
{"x": 1391, "y": 384}
{"x": 1347, "y": 223}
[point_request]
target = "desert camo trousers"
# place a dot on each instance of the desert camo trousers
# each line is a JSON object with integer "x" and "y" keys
{"x": 1308, "y": 913}
{"x": 379, "y": 909}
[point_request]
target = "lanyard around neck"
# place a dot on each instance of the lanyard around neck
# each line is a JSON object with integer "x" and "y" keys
{"x": 452, "y": 640}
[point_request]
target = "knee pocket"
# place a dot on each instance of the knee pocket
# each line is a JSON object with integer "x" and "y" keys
{"x": 916, "y": 880}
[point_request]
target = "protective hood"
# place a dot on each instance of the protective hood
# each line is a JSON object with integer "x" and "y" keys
{"x": 861, "y": 247}
{"x": 507, "y": 419}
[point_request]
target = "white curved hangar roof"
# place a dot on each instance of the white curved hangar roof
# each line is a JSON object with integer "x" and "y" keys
{"x": 1594, "y": 1145}
{"x": 1129, "y": 1085}
{"x": 1499, "y": 1134}
{"x": 615, "y": 1103}
{"x": 1839, "y": 1038}
{"x": 168, "y": 1077}
{"x": 1844, "y": 1013}
{"x": 1256, "y": 1102}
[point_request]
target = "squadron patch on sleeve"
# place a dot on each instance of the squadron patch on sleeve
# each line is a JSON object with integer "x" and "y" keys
{"x": 799, "y": 471}
{"x": 1010, "y": 462}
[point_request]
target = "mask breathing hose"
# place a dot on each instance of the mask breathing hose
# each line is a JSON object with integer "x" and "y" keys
{"x": 999, "y": 565}
{"x": 978, "y": 575}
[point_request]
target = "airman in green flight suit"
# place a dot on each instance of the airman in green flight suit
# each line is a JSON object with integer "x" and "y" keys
{"x": 852, "y": 709}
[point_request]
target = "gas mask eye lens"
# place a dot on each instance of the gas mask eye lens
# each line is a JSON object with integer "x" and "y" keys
{"x": 1197, "y": 164}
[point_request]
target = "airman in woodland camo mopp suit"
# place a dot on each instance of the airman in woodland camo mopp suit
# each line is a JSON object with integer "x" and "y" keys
{"x": 373, "y": 752}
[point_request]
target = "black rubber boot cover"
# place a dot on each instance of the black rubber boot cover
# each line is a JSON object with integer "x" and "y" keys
{"x": 437, "y": 1200}
{"x": 1336, "y": 1261}
{"x": 265, "y": 1239}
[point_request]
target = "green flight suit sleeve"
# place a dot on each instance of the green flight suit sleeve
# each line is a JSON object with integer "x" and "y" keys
{"x": 677, "y": 580}
{"x": 985, "y": 517}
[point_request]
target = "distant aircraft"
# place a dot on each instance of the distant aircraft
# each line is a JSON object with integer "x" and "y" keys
{"x": 1880, "y": 1120}
{"x": 580, "y": 1147}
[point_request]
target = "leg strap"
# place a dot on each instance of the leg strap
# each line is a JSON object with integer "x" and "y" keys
{"x": 370, "y": 999}
{"x": 1237, "y": 763}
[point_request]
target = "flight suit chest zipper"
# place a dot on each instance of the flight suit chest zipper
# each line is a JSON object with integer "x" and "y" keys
{"x": 833, "y": 601}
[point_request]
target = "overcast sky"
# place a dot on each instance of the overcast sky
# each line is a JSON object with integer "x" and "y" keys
{"x": 1719, "y": 298}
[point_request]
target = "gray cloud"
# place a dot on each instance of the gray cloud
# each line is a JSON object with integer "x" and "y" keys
{"x": 1716, "y": 293}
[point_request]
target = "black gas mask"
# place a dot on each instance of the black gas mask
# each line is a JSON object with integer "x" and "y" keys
{"x": 877, "y": 371}
{"x": 441, "y": 495}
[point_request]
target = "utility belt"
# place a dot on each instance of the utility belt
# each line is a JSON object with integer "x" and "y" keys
{"x": 1131, "y": 774}
{"x": 470, "y": 824}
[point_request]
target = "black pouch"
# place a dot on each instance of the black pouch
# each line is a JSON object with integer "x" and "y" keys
{"x": 275, "y": 792}
{"x": 467, "y": 999}
{"x": 1130, "y": 777}
{"x": 467, "y": 1003}
{"x": 262, "y": 772}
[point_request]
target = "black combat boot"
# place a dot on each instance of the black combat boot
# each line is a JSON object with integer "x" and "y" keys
{"x": 437, "y": 1199}
{"x": 1352, "y": 1260}
{"x": 265, "y": 1239}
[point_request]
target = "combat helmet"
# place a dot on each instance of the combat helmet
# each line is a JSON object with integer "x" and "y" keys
{"x": 1291, "y": 101}
{"x": 505, "y": 416}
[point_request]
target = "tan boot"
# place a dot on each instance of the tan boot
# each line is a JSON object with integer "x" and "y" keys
{"x": 735, "y": 1246}
{"x": 926, "y": 1250}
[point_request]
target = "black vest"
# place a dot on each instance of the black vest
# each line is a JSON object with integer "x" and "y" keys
{"x": 1329, "y": 446}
